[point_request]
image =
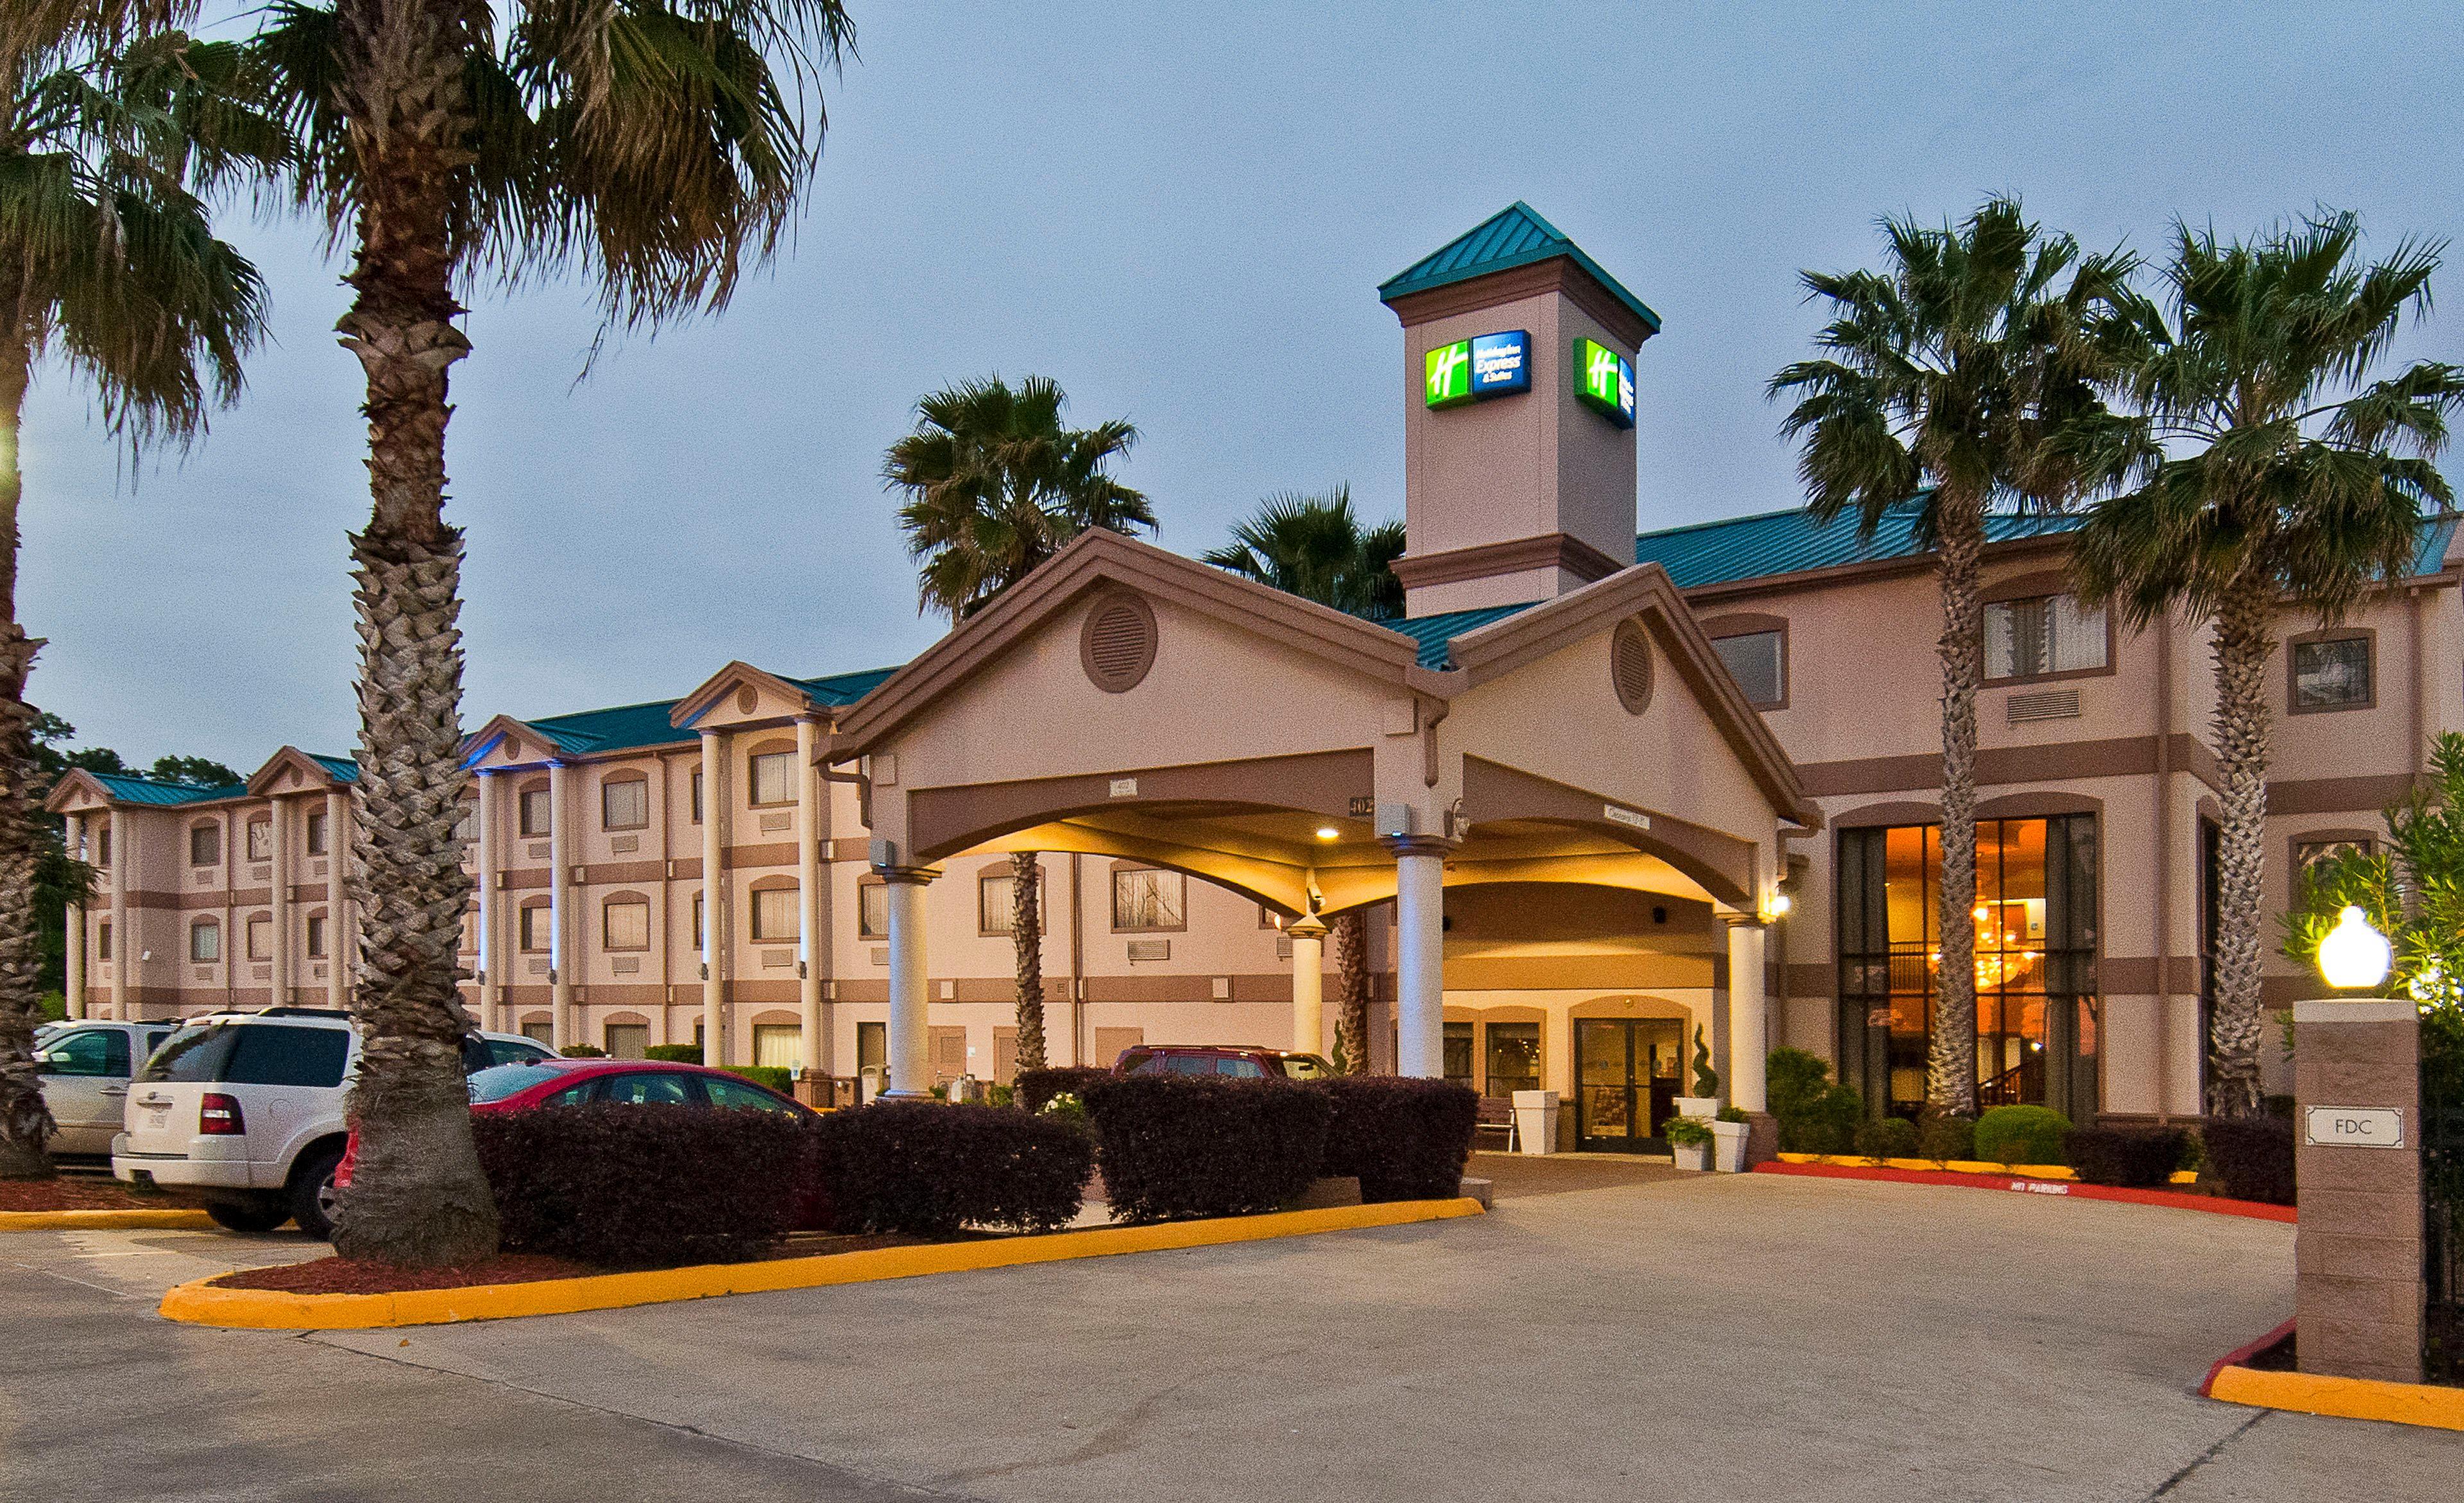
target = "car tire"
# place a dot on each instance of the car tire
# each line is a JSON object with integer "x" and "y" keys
{"x": 248, "y": 1215}
{"x": 312, "y": 1192}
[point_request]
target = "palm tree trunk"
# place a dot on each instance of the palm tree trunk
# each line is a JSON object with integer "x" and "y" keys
{"x": 1027, "y": 933}
{"x": 1950, "y": 1049}
{"x": 2243, "y": 645}
{"x": 1352, "y": 993}
{"x": 418, "y": 1196}
{"x": 25, "y": 1121}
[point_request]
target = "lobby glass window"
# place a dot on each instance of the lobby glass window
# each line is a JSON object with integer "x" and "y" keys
{"x": 1148, "y": 899}
{"x": 204, "y": 845}
{"x": 205, "y": 943}
{"x": 871, "y": 1047}
{"x": 260, "y": 840}
{"x": 316, "y": 936}
{"x": 2036, "y": 924}
{"x": 625, "y": 804}
{"x": 625, "y": 925}
{"x": 260, "y": 937}
{"x": 774, "y": 915}
{"x": 1755, "y": 660}
{"x": 1458, "y": 1049}
{"x": 774, "y": 778}
{"x": 2047, "y": 634}
{"x": 535, "y": 813}
{"x": 872, "y": 911}
{"x": 1513, "y": 1058}
{"x": 536, "y": 925}
{"x": 315, "y": 834}
{"x": 2332, "y": 674}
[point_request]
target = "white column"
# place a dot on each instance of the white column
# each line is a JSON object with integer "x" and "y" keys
{"x": 1420, "y": 958}
{"x": 808, "y": 892}
{"x": 560, "y": 907}
{"x": 492, "y": 979}
{"x": 1748, "y": 1034}
{"x": 122, "y": 951}
{"x": 911, "y": 1036}
{"x": 76, "y": 837}
{"x": 285, "y": 977}
{"x": 340, "y": 951}
{"x": 1308, "y": 984}
{"x": 713, "y": 888}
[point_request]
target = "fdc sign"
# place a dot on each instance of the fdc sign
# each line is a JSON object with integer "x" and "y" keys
{"x": 1470, "y": 370}
{"x": 1604, "y": 381}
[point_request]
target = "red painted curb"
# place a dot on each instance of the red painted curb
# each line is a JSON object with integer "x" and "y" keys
{"x": 2241, "y": 1353}
{"x": 2214, "y": 1203}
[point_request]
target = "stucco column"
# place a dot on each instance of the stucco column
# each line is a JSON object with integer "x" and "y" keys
{"x": 808, "y": 894}
{"x": 560, "y": 907}
{"x": 75, "y": 839}
{"x": 284, "y": 976}
{"x": 911, "y": 1037}
{"x": 338, "y": 948}
{"x": 1748, "y": 1032}
{"x": 121, "y": 949}
{"x": 1420, "y": 954}
{"x": 1308, "y": 983}
{"x": 713, "y": 888}
{"x": 492, "y": 980}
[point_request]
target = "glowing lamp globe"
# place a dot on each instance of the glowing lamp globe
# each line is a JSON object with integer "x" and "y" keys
{"x": 2354, "y": 956}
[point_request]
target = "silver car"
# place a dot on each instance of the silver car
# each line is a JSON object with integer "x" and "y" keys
{"x": 86, "y": 1068}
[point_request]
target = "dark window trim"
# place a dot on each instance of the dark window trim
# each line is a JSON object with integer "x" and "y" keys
{"x": 626, "y": 899}
{"x": 752, "y": 909}
{"x": 771, "y": 748}
{"x": 861, "y": 932}
{"x": 522, "y": 809}
{"x": 2293, "y": 646}
{"x": 616, "y": 780}
{"x": 1001, "y": 870}
{"x": 2040, "y": 586}
{"x": 213, "y": 827}
{"x": 1752, "y": 623}
{"x": 1112, "y": 898}
{"x": 522, "y": 926}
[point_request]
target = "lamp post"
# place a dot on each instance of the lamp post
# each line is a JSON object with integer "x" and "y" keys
{"x": 2354, "y": 957}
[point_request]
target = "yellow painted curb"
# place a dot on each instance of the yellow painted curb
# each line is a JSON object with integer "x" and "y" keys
{"x": 271, "y": 1310}
{"x": 106, "y": 1220}
{"x": 2428, "y": 1404}
{"x": 2025, "y": 1171}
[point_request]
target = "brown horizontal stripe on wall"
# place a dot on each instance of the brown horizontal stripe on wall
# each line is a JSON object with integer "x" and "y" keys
{"x": 1598, "y": 972}
{"x": 776, "y": 854}
{"x": 852, "y": 849}
{"x": 1188, "y": 989}
{"x": 621, "y": 994}
{"x": 2337, "y": 795}
{"x": 214, "y": 897}
{"x": 521, "y": 879}
{"x": 788, "y": 992}
{"x": 860, "y": 991}
{"x": 2135, "y": 976}
{"x": 1810, "y": 978}
{"x": 1004, "y": 989}
{"x": 2055, "y": 761}
{"x": 617, "y": 873}
{"x": 688, "y": 869}
{"x": 529, "y": 995}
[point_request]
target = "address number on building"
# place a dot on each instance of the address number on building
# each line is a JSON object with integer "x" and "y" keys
{"x": 2354, "y": 1127}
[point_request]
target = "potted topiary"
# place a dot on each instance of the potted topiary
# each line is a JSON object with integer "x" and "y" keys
{"x": 1689, "y": 1141}
{"x": 1728, "y": 1132}
{"x": 1705, "y": 1102}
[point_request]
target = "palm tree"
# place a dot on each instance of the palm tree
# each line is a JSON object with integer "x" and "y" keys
{"x": 110, "y": 123}
{"x": 1960, "y": 377}
{"x": 996, "y": 485}
{"x": 1314, "y": 547}
{"x": 2271, "y": 475}
{"x": 659, "y": 147}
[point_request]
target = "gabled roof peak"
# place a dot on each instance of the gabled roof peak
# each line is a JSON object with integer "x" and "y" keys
{"x": 1515, "y": 236}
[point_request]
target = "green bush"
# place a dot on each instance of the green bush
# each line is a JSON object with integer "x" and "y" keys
{"x": 1815, "y": 1117}
{"x": 1944, "y": 1138}
{"x": 674, "y": 1054}
{"x": 1180, "y": 1146}
{"x": 1887, "y": 1138}
{"x": 583, "y": 1052}
{"x": 1036, "y": 1087}
{"x": 1405, "y": 1140}
{"x": 2136, "y": 1158}
{"x": 1734, "y": 1114}
{"x": 774, "y": 1078}
{"x": 1707, "y": 1080}
{"x": 1686, "y": 1131}
{"x": 926, "y": 1170}
{"x": 2021, "y": 1134}
{"x": 2252, "y": 1156}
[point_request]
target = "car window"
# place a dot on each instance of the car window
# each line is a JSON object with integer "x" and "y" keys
{"x": 278, "y": 1054}
{"x": 499, "y": 1081}
{"x": 648, "y": 1088}
{"x": 1141, "y": 1063}
{"x": 1245, "y": 1069}
{"x": 1190, "y": 1063}
{"x": 725, "y": 1091}
{"x": 194, "y": 1053}
{"x": 514, "y": 1051}
{"x": 571, "y": 1096}
{"x": 1306, "y": 1066}
{"x": 87, "y": 1051}
{"x": 152, "y": 1040}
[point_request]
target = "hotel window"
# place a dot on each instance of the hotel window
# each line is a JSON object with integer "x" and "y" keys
{"x": 102, "y": 847}
{"x": 872, "y": 911}
{"x": 316, "y": 936}
{"x": 2042, "y": 636}
{"x": 696, "y": 795}
{"x": 1459, "y": 1049}
{"x": 624, "y": 803}
{"x": 778, "y": 1046}
{"x": 537, "y": 813}
{"x": 1145, "y": 897}
{"x": 774, "y": 915}
{"x": 1758, "y": 661}
{"x": 625, "y": 924}
{"x": 537, "y": 923}
{"x": 204, "y": 845}
{"x": 698, "y": 934}
{"x": 205, "y": 943}
{"x": 260, "y": 840}
{"x": 102, "y": 941}
{"x": 628, "y": 1041}
{"x": 2308, "y": 854}
{"x": 1513, "y": 1058}
{"x": 315, "y": 834}
{"x": 996, "y": 900}
{"x": 774, "y": 778}
{"x": 466, "y": 823}
{"x": 260, "y": 937}
{"x": 2332, "y": 672}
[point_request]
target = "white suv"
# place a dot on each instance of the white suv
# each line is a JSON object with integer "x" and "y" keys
{"x": 247, "y": 1107}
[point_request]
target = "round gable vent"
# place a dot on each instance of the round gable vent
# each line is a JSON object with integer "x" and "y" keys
{"x": 1118, "y": 644}
{"x": 1630, "y": 665}
{"x": 745, "y": 699}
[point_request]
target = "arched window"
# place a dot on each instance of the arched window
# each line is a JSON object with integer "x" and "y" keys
{"x": 206, "y": 942}
{"x": 624, "y": 801}
{"x": 625, "y": 922}
{"x": 776, "y": 915}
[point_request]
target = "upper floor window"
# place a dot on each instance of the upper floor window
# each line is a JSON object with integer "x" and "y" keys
{"x": 696, "y": 795}
{"x": 774, "y": 777}
{"x": 1758, "y": 661}
{"x": 102, "y": 847}
{"x": 204, "y": 845}
{"x": 775, "y": 915}
{"x": 205, "y": 942}
{"x": 872, "y": 911}
{"x": 316, "y": 936}
{"x": 466, "y": 825}
{"x": 260, "y": 840}
{"x": 1145, "y": 897}
{"x": 260, "y": 937}
{"x": 538, "y": 920}
{"x": 2037, "y": 637}
{"x": 317, "y": 834}
{"x": 2332, "y": 672}
{"x": 2309, "y": 854}
{"x": 624, "y": 803}
{"x": 625, "y": 924}
{"x": 536, "y": 811}
{"x": 996, "y": 900}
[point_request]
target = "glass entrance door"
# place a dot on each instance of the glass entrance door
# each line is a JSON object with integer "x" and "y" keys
{"x": 1625, "y": 1082}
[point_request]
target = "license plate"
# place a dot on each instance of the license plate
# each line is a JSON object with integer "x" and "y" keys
{"x": 156, "y": 1117}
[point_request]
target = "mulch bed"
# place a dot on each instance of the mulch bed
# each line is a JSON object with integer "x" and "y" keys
{"x": 343, "y": 1276}
{"x": 66, "y": 1194}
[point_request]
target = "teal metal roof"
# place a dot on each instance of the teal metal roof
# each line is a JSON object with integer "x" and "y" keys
{"x": 1432, "y": 632}
{"x": 130, "y": 788}
{"x": 1515, "y": 236}
{"x": 341, "y": 769}
{"x": 627, "y": 726}
{"x": 837, "y": 688}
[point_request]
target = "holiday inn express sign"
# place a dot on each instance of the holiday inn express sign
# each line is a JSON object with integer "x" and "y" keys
{"x": 1488, "y": 365}
{"x": 1605, "y": 382}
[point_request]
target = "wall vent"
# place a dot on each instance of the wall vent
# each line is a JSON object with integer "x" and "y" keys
{"x": 881, "y": 955}
{"x": 624, "y": 845}
{"x": 1630, "y": 665}
{"x": 1151, "y": 949}
{"x": 775, "y": 822}
{"x": 628, "y": 965}
{"x": 2050, "y": 704}
{"x": 540, "y": 848}
{"x": 1118, "y": 644}
{"x": 778, "y": 957}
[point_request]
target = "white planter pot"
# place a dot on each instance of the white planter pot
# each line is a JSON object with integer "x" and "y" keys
{"x": 1729, "y": 1146}
{"x": 1692, "y": 1155}
{"x": 1536, "y": 1121}
{"x": 1703, "y": 1107}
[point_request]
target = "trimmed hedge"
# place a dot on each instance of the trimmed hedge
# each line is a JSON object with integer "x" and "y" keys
{"x": 1943, "y": 1139}
{"x": 646, "y": 1186}
{"x": 2252, "y": 1156}
{"x": 1887, "y": 1138}
{"x": 774, "y": 1078}
{"x": 674, "y": 1054}
{"x": 2135, "y": 1158}
{"x": 1815, "y": 1116}
{"x": 2021, "y": 1134}
{"x": 928, "y": 1169}
{"x": 1180, "y": 1146}
{"x": 1406, "y": 1139}
{"x": 1036, "y": 1087}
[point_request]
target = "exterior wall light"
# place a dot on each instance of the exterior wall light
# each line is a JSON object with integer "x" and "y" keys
{"x": 1327, "y": 833}
{"x": 1779, "y": 905}
{"x": 2354, "y": 956}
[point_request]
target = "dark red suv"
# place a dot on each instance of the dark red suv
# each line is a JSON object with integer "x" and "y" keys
{"x": 1238, "y": 1060}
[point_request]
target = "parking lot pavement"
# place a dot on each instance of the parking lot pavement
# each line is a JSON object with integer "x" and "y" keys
{"x": 1700, "y": 1338}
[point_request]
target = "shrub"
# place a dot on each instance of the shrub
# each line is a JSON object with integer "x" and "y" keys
{"x": 915, "y": 1167}
{"x": 1943, "y": 1139}
{"x": 1178, "y": 1146}
{"x": 1733, "y": 1113}
{"x": 645, "y": 1186}
{"x": 777, "y": 1078}
{"x": 1036, "y": 1087}
{"x": 2134, "y": 1157}
{"x": 2252, "y": 1156}
{"x": 583, "y": 1052}
{"x": 1406, "y": 1139}
{"x": 1887, "y": 1138}
{"x": 2021, "y": 1134}
{"x": 1686, "y": 1131}
{"x": 1794, "y": 1082}
{"x": 674, "y": 1054}
{"x": 1707, "y": 1080}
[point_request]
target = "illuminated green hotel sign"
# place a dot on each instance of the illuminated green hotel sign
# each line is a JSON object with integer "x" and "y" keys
{"x": 1476, "y": 370}
{"x": 1605, "y": 382}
